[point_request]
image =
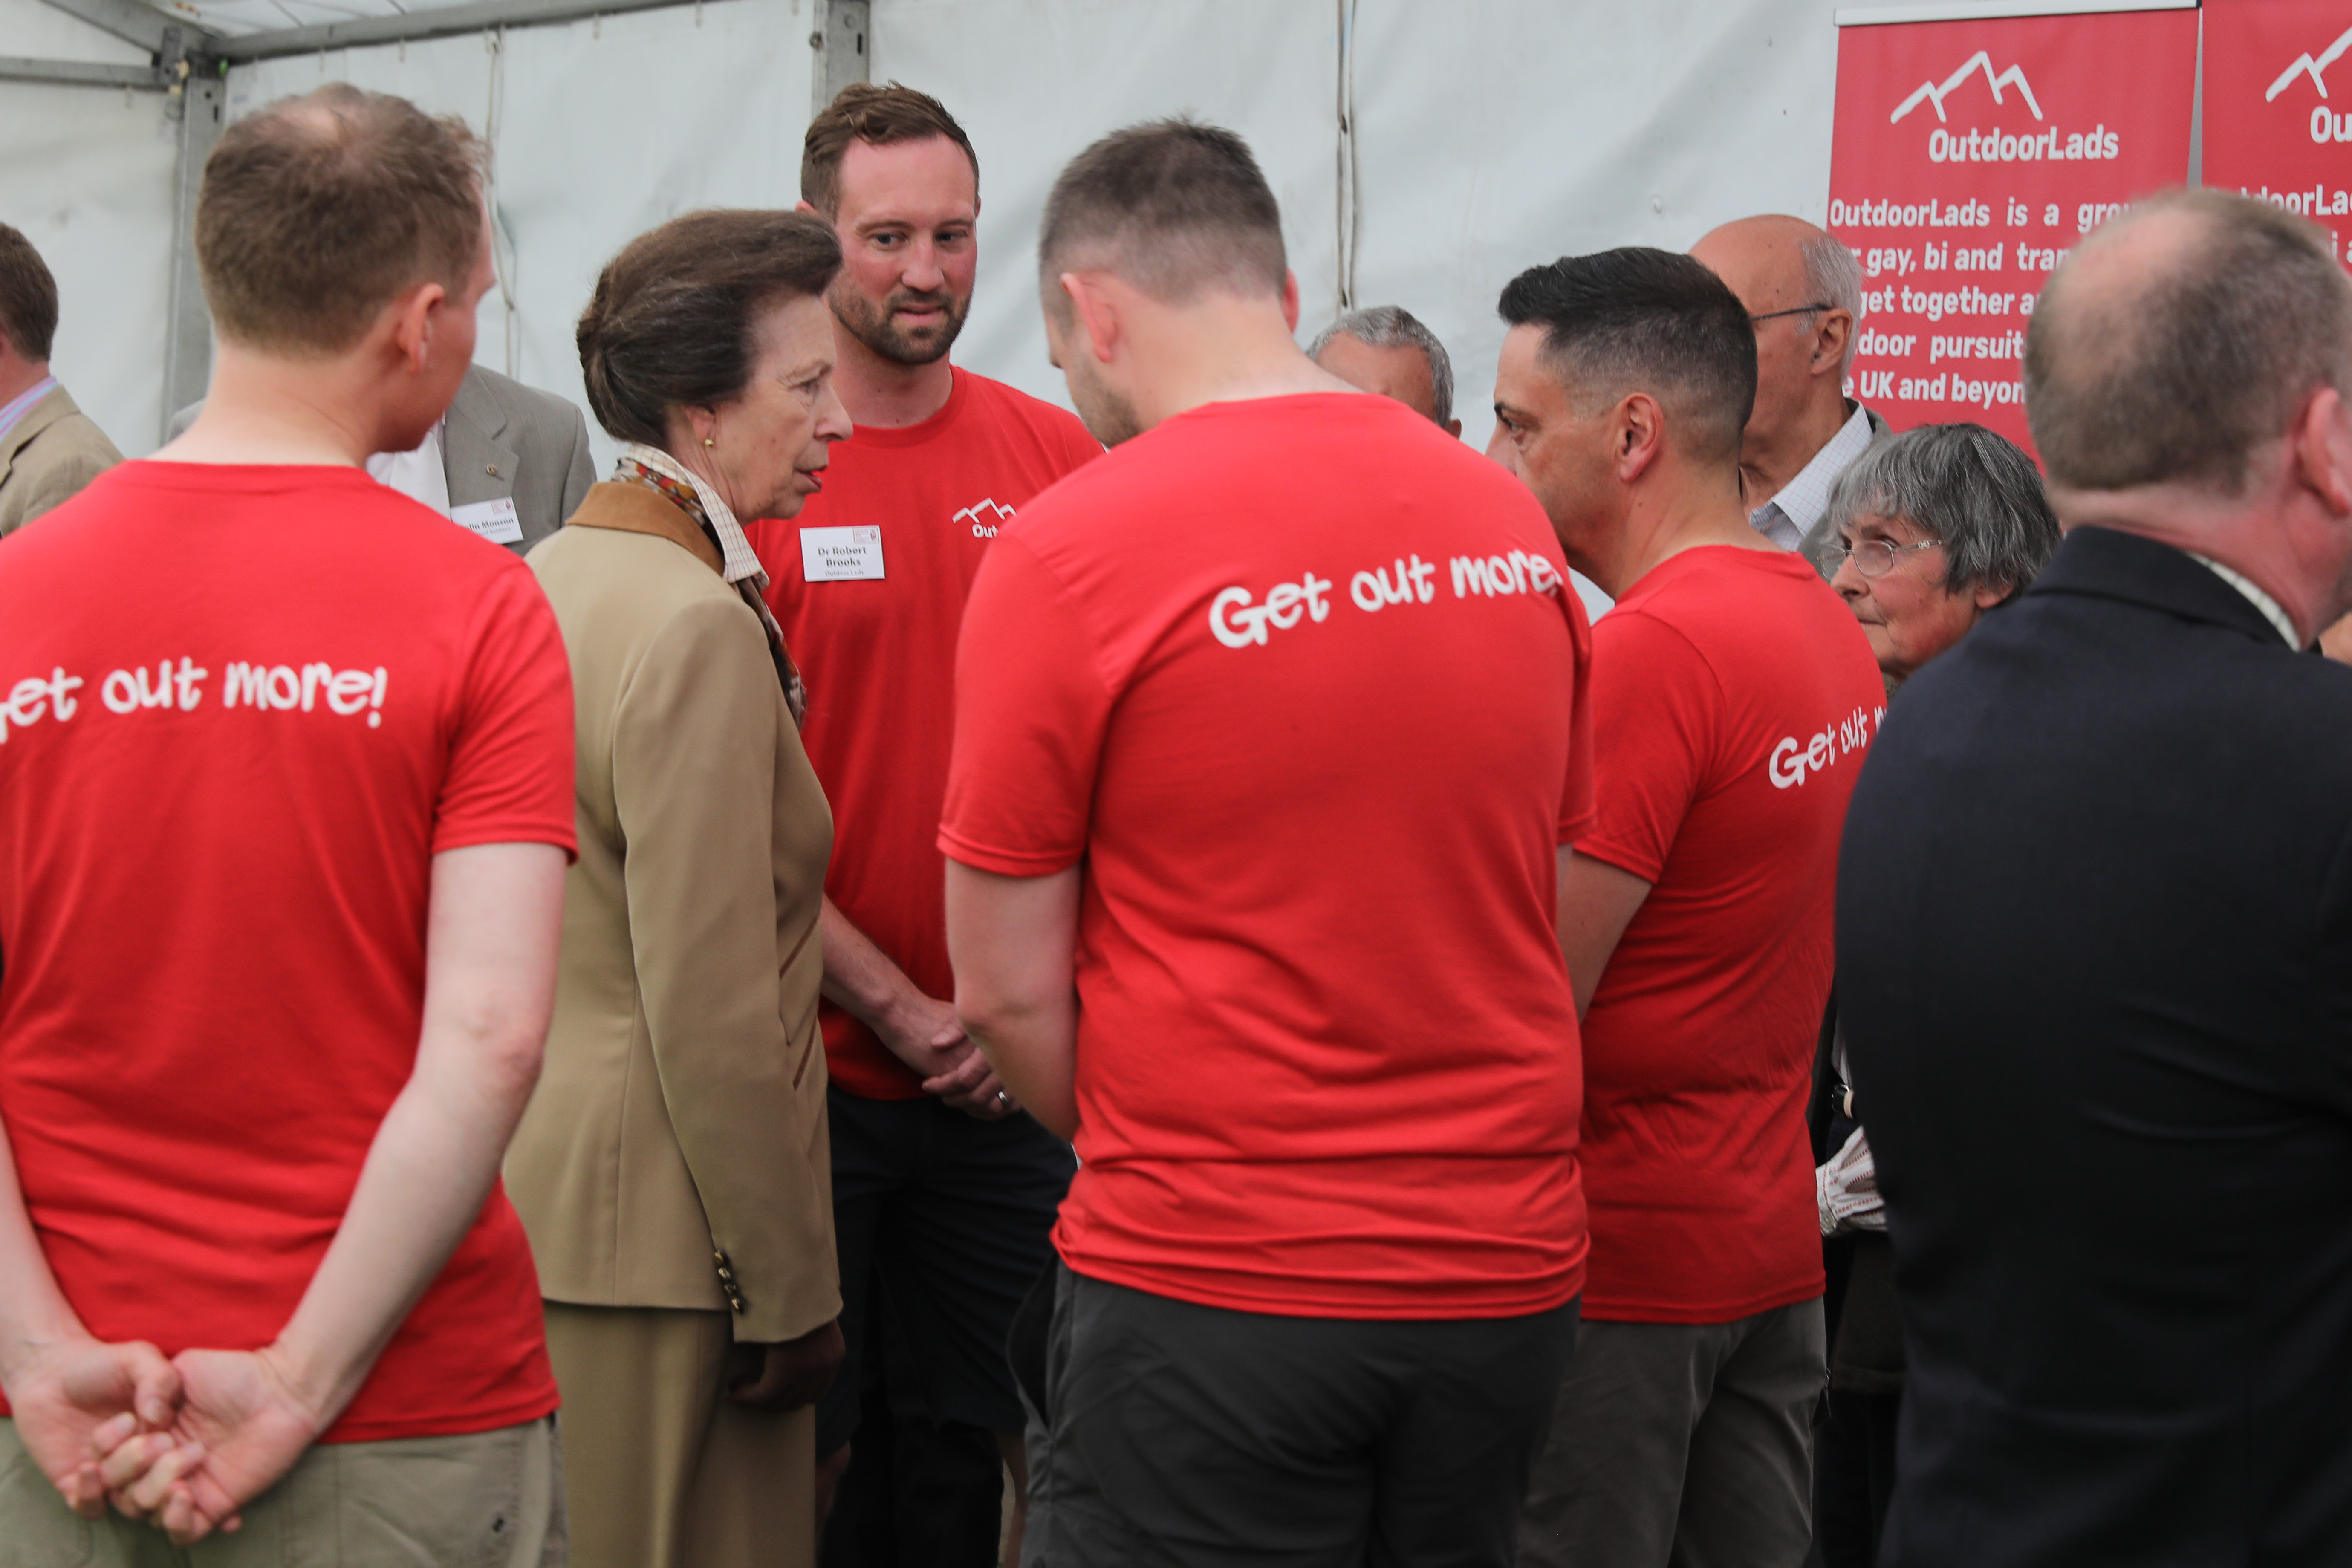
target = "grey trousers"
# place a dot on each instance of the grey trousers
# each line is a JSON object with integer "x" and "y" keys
{"x": 1190, "y": 1436}
{"x": 1680, "y": 1445}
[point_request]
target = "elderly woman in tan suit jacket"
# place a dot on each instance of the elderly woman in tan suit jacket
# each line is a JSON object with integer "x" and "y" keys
{"x": 673, "y": 1169}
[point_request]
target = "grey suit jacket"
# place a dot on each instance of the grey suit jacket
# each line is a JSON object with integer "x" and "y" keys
{"x": 502, "y": 439}
{"x": 53, "y": 452}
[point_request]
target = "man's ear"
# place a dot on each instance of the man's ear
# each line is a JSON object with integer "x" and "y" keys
{"x": 1098, "y": 314}
{"x": 1832, "y": 331}
{"x": 1290, "y": 301}
{"x": 805, "y": 207}
{"x": 1638, "y": 432}
{"x": 412, "y": 320}
{"x": 1454, "y": 428}
{"x": 2321, "y": 445}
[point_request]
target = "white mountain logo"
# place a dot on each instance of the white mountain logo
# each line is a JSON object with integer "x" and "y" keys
{"x": 2317, "y": 70}
{"x": 1934, "y": 92}
{"x": 974, "y": 515}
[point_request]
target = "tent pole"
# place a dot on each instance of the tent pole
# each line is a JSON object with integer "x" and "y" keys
{"x": 188, "y": 328}
{"x": 130, "y": 20}
{"x": 408, "y": 27}
{"x": 842, "y": 42}
{"x": 80, "y": 73}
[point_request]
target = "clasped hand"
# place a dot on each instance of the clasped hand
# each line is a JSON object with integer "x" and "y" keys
{"x": 183, "y": 1442}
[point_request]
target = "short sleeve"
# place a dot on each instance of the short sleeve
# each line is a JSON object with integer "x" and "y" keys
{"x": 1030, "y": 708}
{"x": 1576, "y": 795}
{"x": 1655, "y": 706}
{"x": 510, "y": 777}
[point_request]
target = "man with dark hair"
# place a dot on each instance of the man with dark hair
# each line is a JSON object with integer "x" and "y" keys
{"x": 48, "y": 447}
{"x": 2094, "y": 942}
{"x": 281, "y": 879}
{"x": 944, "y": 1189}
{"x": 1732, "y": 697}
{"x": 1386, "y": 350}
{"x": 1802, "y": 290}
{"x": 1269, "y": 726}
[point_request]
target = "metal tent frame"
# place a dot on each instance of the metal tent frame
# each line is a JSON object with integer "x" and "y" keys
{"x": 190, "y": 63}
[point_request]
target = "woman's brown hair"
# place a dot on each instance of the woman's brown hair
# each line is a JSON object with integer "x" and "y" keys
{"x": 672, "y": 319}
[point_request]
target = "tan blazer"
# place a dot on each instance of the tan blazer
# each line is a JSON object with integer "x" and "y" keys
{"x": 53, "y": 452}
{"x": 676, "y": 1153}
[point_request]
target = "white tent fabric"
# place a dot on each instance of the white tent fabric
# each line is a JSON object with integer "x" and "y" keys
{"x": 1491, "y": 134}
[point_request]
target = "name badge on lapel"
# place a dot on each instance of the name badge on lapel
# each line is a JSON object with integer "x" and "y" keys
{"x": 841, "y": 555}
{"x": 494, "y": 519}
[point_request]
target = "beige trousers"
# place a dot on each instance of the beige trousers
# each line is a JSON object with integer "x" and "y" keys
{"x": 493, "y": 1499}
{"x": 664, "y": 1472}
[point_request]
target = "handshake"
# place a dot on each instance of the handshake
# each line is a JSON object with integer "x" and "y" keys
{"x": 183, "y": 1442}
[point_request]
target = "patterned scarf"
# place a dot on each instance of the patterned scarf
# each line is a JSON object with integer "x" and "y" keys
{"x": 658, "y": 472}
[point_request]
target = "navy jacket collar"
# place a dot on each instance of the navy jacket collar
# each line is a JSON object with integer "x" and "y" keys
{"x": 2109, "y": 564}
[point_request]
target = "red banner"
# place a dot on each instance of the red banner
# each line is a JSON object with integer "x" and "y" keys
{"x": 1969, "y": 157}
{"x": 2272, "y": 128}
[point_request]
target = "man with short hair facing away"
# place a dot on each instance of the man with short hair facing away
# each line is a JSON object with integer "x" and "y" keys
{"x": 944, "y": 1189}
{"x": 1733, "y": 698}
{"x": 1802, "y": 290}
{"x": 281, "y": 875}
{"x": 1269, "y": 726}
{"x": 2094, "y": 943}
{"x": 48, "y": 447}
{"x": 1386, "y": 350}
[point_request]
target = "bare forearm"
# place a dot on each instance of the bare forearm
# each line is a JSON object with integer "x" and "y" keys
{"x": 1034, "y": 1051}
{"x": 34, "y": 1314}
{"x": 859, "y": 977}
{"x": 426, "y": 1177}
{"x": 1013, "y": 942}
{"x": 490, "y": 987}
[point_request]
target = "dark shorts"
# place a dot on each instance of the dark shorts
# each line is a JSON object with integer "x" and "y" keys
{"x": 1682, "y": 1443}
{"x": 955, "y": 1217}
{"x": 1186, "y": 1434}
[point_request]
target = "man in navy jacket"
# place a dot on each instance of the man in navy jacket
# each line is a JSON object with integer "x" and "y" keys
{"x": 2094, "y": 943}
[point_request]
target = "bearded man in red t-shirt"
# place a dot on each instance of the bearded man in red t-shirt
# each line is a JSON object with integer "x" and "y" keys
{"x": 1269, "y": 726}
{"x": 286, "y": 791}
{"x": 1733, "y": 698}
{"x": 943, "y": 1189}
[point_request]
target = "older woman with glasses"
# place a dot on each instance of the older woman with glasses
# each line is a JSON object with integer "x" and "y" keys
{"x": 1940, "y": 525}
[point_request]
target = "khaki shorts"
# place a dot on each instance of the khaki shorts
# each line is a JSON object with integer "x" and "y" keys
{"x": 488, "y": 1499}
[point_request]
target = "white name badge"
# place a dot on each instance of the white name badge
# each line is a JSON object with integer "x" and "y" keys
{"x": 841, "y": 555}
{"x": 493, "y": 520}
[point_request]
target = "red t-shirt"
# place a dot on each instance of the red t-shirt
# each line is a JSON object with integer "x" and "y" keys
{"x": 285, "y": 690}
{"x": 1732, "y": 697}
{"x": 878, "y": 653}
{"x": 1298, "y": 678}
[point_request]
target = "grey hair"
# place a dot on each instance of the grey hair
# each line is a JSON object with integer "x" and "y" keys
{"x": 1394, "y": 327}
{"x": 1833, "y": 278}
{"x": 1963, "y": 485}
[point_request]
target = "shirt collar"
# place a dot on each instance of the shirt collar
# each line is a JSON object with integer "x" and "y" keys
{"x": 1803, "y": 499}
{"x": 740, "y": 563}
{"x": 2254, "y": 596}
{"x": 23, "y": 404}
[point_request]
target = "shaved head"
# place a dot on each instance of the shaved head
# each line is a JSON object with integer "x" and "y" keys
{"x": 2181, "y": 338}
